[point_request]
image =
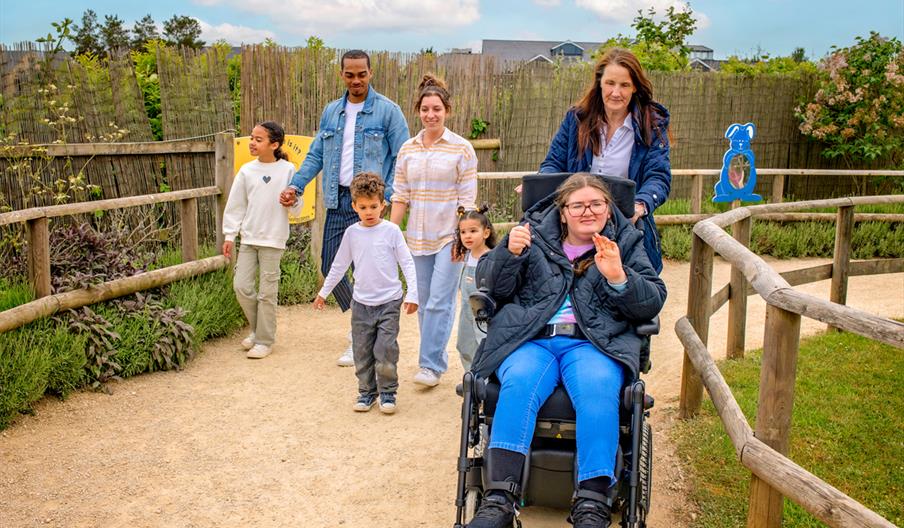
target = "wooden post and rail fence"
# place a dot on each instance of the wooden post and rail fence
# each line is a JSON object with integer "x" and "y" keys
{"x": 763, "y": 451}
{"x": 38, "y": 231}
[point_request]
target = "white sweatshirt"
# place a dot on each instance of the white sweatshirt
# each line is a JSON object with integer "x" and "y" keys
{"x": 377, "y": 252}
{"x": 253, "y": 210}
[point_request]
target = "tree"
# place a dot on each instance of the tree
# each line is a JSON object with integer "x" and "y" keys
{"x": 114, "y": 34}
{"x": 86, "y": 37}
{"x": 799, "y": 55}
{"x": 858, "y": 110}
{"x": 658, "y": 45}
{"x": 315, "y": 43}
{"x": 183, "y": 31}
{"x": 144, "y": 31}
{"x": 671, "y": 33}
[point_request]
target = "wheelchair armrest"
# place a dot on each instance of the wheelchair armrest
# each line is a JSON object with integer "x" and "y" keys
{"x": 648, "y": 328}
{"x": 482, "y": 306}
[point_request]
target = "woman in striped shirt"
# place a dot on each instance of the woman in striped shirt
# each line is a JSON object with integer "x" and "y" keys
{"x": 435, "y": 173}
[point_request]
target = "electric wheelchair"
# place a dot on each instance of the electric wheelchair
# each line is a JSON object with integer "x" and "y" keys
{"x": 549, "y": 474}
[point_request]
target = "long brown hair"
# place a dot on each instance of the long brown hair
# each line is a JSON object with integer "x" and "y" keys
{"x": 431, "y": 85}
{"x": 576, "y": 182}
{"x": 591, "y": 112}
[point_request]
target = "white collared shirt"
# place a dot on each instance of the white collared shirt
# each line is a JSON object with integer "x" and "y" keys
{"x": 616, "y": 154}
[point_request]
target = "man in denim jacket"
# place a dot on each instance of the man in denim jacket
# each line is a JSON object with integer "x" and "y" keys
{"x": 359, "y": 132}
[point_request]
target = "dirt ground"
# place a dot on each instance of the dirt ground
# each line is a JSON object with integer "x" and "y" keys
{"x": 272, "y": 443}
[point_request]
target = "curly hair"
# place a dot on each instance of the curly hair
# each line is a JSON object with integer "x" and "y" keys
{"x": 367, "y": 185}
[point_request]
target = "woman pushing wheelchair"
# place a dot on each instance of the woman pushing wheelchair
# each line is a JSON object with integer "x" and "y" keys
{"x": 571, "y": 282}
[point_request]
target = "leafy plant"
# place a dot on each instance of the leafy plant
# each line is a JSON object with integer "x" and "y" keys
{"x": 858, "y": 111}
{"x": 171, "y": 336}
{"x": 478, "y": 127}
{"x": 766, "y": 65}
{"x": 99, "y": 348}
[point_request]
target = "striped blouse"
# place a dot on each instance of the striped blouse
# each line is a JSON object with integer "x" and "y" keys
{"x": 433, "y": 181}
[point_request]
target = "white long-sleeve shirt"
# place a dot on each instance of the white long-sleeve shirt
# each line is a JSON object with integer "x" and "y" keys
{"x": 253, "y": 210}
{"x": 377, "y": 252}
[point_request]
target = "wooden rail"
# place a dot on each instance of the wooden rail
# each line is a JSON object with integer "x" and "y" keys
{"x": 774, "y": 476}
{"x": 823, "y": 501}
{"x": 110, "y": 149}
{"x": 38, "y": 234}
{"x": 778, "y": 177}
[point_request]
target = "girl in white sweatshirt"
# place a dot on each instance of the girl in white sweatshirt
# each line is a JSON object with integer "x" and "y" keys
{"x": 254, "y": 214}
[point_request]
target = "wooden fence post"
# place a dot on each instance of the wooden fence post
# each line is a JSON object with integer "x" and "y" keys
{"x": 188, "y": 216}
{"x": 696, "y": 193}
{"x": 778, "y": 188}
{"x": 737, "y": 298}
{"x": 224, "y": 173}
{"x": 776, "y": 401}
{"x": 38, "y": 233}
{"x": 841, "y": 266}
{"x": 699, "y": 309}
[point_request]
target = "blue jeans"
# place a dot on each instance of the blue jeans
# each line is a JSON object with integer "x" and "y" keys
{"x": 437, "y": 284}
{"x": 593, "y": 381}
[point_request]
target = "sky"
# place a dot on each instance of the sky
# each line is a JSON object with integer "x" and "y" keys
{"x": 741, "y": 28}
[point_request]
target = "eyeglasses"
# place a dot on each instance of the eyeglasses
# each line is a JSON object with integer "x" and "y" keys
{"x": 577, "y": 209}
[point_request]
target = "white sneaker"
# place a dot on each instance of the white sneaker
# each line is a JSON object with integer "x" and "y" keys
{"x": 248, "y": 342}
{"x": 259, "y": 351}
{"x": 427, "y": 377}
{"x": 347, "y": 359}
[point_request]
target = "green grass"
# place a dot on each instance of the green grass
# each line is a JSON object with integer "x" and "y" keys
{"x": 847, "y": 429}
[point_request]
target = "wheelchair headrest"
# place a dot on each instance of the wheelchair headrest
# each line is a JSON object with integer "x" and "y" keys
{"x": 535, "y": 187}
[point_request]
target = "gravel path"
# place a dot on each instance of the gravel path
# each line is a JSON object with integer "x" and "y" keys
{"x": 234, "y": 442}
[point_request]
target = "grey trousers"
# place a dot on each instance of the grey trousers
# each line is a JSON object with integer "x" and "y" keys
{"x": 259, "y": 304}
{"x": 375, "y": 330}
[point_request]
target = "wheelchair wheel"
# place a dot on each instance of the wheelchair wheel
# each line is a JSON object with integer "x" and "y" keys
{"x": 472, "y": 502}
{"x": 646, "y": 472}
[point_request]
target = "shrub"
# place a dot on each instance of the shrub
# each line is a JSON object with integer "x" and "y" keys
{"x": 858, "y": 111}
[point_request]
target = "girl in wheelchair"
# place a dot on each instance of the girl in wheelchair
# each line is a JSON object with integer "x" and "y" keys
{"x": 571, "y": 281}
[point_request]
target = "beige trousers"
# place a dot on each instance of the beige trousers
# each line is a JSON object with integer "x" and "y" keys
{"x": 259, "y": 304}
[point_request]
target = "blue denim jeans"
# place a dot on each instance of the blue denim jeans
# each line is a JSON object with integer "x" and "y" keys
{"x": 593, "y": 381}
{"x": 437, "y": 283}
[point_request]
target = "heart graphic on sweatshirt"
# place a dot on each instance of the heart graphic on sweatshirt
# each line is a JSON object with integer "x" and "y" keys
{"x": 266, "y": 179}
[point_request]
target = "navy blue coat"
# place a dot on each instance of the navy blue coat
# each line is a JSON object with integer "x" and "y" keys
{"x": 649, "y": 167}
{"x": 530, "y": 288}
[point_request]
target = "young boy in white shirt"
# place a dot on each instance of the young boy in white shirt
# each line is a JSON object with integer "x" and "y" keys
{"x": 377, "y": 249}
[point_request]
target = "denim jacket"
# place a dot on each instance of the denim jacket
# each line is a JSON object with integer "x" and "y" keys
{"x": 649, "y": 168}
{"x": 380, "y": 130}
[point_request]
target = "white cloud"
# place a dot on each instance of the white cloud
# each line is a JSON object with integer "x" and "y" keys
{"x": 624, "y": 11}
{"x": 548, "y": 3}
{"x": 234, "y": 35}
{"x": 320, "y": 18}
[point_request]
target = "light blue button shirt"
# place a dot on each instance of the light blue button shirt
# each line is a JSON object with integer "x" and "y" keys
{"x": 616, "y": 154}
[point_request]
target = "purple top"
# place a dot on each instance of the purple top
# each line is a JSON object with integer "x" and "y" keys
{"x": 565, "y": 314}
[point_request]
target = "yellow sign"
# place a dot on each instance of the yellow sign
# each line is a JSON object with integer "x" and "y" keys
{"x": 296, "y": 147}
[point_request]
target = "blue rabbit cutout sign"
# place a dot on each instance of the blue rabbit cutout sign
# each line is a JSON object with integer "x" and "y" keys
{"x": 738, "y": 176}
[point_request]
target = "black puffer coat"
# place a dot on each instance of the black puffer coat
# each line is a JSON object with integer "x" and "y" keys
{"x": 530, "y": 288}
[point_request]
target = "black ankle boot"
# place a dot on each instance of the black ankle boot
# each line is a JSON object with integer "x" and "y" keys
{"x": 587, "y": 512}
{"x": 497, "y": 510}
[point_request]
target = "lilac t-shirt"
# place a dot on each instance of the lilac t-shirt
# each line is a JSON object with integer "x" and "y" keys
{"x": 565, "y": 314}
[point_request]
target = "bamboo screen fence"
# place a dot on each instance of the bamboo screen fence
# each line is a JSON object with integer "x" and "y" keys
{"x": 522, "y": 106}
